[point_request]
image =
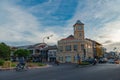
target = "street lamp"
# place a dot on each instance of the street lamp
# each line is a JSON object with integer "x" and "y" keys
{"x": 44, "y": 57}
{"x": 47, "y": 37}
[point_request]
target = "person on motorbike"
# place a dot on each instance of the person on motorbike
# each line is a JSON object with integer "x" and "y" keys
{"x": 22, "y": 62}
{"x": 95, "y": 61}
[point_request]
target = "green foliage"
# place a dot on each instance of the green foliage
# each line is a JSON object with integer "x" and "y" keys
{"x": 1, "y": 62}
{"x": 4, "y": 51}
{"x": 33, "y": 64}
{"x": 13, "y": 64}
{"x": 41, "y": 64}
{"x": 85, "y": 63}
{"x": 22, "y": 53}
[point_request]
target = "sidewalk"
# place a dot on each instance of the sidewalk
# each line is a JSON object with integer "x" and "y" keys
{"x": 12, "y": 68}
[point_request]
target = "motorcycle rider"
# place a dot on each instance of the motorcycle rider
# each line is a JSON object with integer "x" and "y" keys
{"x": 95, "y": 61}
{"x": 22, "y": 62}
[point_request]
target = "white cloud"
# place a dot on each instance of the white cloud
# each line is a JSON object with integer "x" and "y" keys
{"x": 109, "y": 27}
{"x": 45, "y": 8}
{"x": 111, "y": 30}
{"x": 106, "y": 12}
{"x": 19, "y": 27}
{"x": 16, "y": 21}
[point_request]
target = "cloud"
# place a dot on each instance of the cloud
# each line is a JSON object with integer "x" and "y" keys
{"x": 54, "y": 13}
{"x": 20, "y": 27}
{"x": 107, "y": 42}
{"x": 111, "y": 31}
{"x": 101, "y": 19}
{"x": 15, "y": 21}
{"x": 110, "y": 34}
{"x": 111, "y": 47}
{"x": 21, "y": 24}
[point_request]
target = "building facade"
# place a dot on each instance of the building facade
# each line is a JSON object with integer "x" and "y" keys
{"x": 98, "y": 49}
{"x": 75, "y": 46}
{"x": 52, "y": 51}
{"x": 40, "y": 52}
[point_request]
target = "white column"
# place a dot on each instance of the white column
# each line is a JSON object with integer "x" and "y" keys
{"x": 33, "y": 51}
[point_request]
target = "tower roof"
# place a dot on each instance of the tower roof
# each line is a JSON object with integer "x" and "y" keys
{"x": 78, "y": 22}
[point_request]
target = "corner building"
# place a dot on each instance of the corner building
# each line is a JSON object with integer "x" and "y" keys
{"x": 75, "y": 45}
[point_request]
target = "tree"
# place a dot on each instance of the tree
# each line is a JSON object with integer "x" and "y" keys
{"x": 22, "y": 53}
{"x": 4, "y": 51}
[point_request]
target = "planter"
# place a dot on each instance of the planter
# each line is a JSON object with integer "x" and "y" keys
{"x": 7, "y": 64}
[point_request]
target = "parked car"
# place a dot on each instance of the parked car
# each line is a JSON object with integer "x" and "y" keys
{"x": 102, "y": 60}
{"x": 117, "y": 61}
{"x": 91, "y": 60}
{"x": 111, "y": 61}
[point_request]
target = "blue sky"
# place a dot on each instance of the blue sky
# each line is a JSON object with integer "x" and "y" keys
{"x": 24, "y": 22}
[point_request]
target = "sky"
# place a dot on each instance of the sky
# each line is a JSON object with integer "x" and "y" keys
{"x": 25, "y": 22}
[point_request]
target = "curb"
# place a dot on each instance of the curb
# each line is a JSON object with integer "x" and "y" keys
{"x": 82, "y": 66}
{"x": 6, "y": 69}
{"x": 39, "y": 67}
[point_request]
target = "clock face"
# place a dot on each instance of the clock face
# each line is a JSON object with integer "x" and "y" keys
{"x": 79, "y": 27}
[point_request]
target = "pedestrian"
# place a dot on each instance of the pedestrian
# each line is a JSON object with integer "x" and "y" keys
{"x": 78, "y": 59}
{"x": 57, "y": 62}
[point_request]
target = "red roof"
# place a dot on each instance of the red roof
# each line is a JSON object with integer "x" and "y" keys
{"x": 71, "y": 37}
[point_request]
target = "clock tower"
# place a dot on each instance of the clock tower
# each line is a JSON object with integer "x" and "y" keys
{"x": 79, "y": 30}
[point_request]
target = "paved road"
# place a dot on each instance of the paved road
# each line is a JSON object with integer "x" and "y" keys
{"x": 66, "y": 72}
